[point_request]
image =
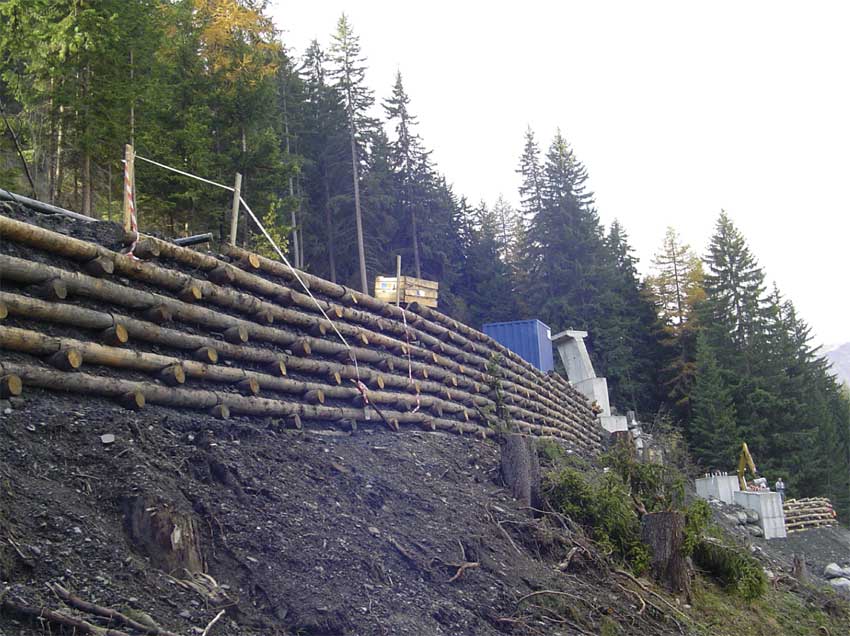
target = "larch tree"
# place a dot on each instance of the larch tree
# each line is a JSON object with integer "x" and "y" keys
{"x": 349, "y": 73}
{"x": 676, "y": 287}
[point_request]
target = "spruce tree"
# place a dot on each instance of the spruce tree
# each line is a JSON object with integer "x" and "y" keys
{"x": 713, "y": 432}
{"x": 349, "y": 73}
{"x": 734, "y": 286}
{"x": 409, "y": 162}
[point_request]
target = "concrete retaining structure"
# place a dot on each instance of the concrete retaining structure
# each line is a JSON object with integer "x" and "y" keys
{"x": 722, "y": 487}
{"x": 768, "y": 505}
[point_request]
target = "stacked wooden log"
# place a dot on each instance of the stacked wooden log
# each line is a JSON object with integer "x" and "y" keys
{"x": 805, "y": 514}
{"x": 238, "y": 333}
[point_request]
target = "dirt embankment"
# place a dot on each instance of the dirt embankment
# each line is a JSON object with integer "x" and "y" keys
{"x": 311, "y": 532}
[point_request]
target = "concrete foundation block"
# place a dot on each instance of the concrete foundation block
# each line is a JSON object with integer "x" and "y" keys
{"x": 614, "y": 423}
{"x": 768, "y": 505}
{"x": 722, "y": 487}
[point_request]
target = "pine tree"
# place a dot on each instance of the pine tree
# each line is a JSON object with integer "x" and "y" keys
{"x": 712, "y": 433}
{"x": 349, "y": 74}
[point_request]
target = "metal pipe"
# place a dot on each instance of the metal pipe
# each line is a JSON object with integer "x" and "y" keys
{"x": 193, "y": 240}
{"x": 5, "y": 195}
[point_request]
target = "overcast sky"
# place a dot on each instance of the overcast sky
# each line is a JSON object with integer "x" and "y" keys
{"x": 677, "y": 109}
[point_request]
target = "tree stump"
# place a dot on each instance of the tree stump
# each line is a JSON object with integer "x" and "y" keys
{"x": 663, "y": 533}
{"x": 520, "y": 468}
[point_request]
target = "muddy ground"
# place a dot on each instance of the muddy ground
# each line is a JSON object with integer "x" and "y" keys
{"x": 304, "y": 532}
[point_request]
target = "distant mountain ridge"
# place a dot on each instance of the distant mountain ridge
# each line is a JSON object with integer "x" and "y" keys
{"x": 840, "y": 358}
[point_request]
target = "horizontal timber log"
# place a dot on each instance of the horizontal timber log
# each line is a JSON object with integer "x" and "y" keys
{"x": 191, "y": 289}
{"x": 206, "y": 400}
{"x": 25, "y": 341}
{"x": 533, "y": 394}
{"x": 520, "y": 372}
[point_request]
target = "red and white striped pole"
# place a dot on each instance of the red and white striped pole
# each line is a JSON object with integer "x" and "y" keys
{"x": 130, "y": 222}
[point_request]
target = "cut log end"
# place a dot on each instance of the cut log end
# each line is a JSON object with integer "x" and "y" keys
{"x": 301, "y": 347}
{"x": 315, "y": 396}
{"x": 4, "y": 311}
{"x": 53, "y": 289}
{"x": 249, "y": 386}
{"x": 10, "y": 386}
{"x": 264, "y": 317}
{"x": 207, "y": 355}
{"x": 236, "y": 335}
{"x": 220, "y": 411}
{"x": 67, "y": 359}
{"x": 146, "y": 249}
{"x": 293, "y": 422}
{"x": 116, "y": 335}
{"x": 320, "y": 329}
{"x": 191, "y": 293}
{"x": 159, "y": 314}
{"x": 100, "y": 267}
{"x": 379, "y": 381}
{"x": 252, "y": 261}
{"x": 335, "y": 377}
{"x": 223, "y": 275}
{"x": 277, "y": 368}
{"x": 134, "y": 400}
{"x": 173, "y": 375}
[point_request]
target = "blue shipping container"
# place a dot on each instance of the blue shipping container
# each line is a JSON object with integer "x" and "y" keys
{"x": 530, "y": 339}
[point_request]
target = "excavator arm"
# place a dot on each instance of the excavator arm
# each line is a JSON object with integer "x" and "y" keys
{"x": 745, "y": 461}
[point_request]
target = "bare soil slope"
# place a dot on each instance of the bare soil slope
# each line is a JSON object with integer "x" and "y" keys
{"x": 310, "y": 532}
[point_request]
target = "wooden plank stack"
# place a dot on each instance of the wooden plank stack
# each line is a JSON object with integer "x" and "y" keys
{"x": 805, "y": 514}
{"x": 236, "y": 333}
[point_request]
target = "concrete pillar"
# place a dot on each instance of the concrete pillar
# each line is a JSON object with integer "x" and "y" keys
{"x": 570, "y": 345}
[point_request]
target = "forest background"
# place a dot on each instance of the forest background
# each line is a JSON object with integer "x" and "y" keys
{"x": 702, "y": 345}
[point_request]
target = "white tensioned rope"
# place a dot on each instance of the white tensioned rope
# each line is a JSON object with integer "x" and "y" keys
{"x": 360, "y": 386}
{"x": 185, "y": 174}
{"x": 358, "y": 383}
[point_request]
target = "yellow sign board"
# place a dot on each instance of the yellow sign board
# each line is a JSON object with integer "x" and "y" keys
{"x": 416, "y": 290}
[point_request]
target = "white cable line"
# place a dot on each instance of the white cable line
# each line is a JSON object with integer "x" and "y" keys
{"x": 361, "y": 387}
{"x": 185, "y": 174}
{"x": 274, "y": 246}
{"x": 295, "y": 273}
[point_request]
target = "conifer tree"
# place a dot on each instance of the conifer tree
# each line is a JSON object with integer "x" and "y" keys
{"x": 531, "y": 188}
{"x": 325, "y": 140}
{"x": 734, "y": 286}
{"x": 349, "y": 75}
{"x": 409, "y": 162}
{"x": 677, "y": 287}
{"x": 713, "y": 432}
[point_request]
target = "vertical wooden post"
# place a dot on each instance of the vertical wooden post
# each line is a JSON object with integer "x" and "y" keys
{"x": 398, "y": 280}
{"x": 234, "y": 211}
{"x": 129, "y": 189}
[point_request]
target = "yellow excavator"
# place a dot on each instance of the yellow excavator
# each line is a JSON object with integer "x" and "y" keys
{"x": 745, "y": 461}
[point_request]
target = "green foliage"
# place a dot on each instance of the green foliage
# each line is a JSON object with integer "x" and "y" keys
{"x": 697, "y": 519}
{"x": 653, "y": 487}
{"x": 738, "y": 572}
{"x": 277, "y": 230}
{"x": 603, "y": 507}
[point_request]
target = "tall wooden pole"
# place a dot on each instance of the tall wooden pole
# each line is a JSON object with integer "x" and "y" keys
{"x": 129, "y": 189}
{"x": 234, "y": 211}
{"x": 398, "y": 280}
